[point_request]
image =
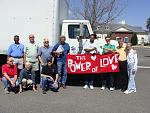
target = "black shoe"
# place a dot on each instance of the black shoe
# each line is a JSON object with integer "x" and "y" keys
{"x": 44, "y": 92}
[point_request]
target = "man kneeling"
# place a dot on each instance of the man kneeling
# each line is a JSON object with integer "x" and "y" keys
{"x": 27, "y": 77}
{"x": 48, "y": 74}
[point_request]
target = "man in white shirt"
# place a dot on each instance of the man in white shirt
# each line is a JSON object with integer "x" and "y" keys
{"x": 90, "y": 47}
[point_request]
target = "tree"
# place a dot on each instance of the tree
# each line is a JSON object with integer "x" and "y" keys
{"x": 134, "y": 39}
{"x": 98, "y": 11}
{"x": 148, "y": 24}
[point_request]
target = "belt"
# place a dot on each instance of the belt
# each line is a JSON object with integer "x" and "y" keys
{"x": 17, "y": 57}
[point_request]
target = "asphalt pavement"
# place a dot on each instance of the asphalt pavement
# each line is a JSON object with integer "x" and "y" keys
{"x": 75, "y": 99}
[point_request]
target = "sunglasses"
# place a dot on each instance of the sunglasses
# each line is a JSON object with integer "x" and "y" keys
{"x": 46, "y": 42}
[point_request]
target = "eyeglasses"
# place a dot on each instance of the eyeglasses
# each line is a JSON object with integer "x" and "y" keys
{"x": 46, "y": 42}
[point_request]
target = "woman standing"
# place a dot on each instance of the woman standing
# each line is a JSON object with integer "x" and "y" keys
{"x": 132, "y": 68}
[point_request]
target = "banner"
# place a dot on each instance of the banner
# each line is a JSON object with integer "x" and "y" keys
{"x": 87, "y": 63}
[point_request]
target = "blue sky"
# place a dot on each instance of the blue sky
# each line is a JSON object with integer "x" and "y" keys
{"x": 135, "y": 13}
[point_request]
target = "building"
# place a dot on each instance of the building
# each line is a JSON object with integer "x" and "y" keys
{"x": 122, "y": 30}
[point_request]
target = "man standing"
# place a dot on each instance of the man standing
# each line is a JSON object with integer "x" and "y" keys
{"x": 108, "y": 77}
{"x": 49, "y": 76}
{"x": 9, "y": 72}
{"x": 16, "y": 51}
{"x": 61, "y": 50}
{"x": 27, "y": 77}
{"x": 132, "y": 62}
{"x": 90, "y": 47}
{"x": 31, "y": 55}
{"x": 45, "y": 52}
{"x": 122, "y": 77}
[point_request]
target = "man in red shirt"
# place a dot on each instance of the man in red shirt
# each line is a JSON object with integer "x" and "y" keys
{"x": 9, "y": 72}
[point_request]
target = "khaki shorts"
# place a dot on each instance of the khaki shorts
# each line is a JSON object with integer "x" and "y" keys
{"x": 18, "y": 62}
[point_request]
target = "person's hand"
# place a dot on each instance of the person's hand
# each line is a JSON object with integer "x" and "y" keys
{"x": 42, "y": 64}
{"x": 33, "y": 88}
{"x": 12, "y": 83}
{"x": 20, "y": 90}
{"x": 134, "y": 71}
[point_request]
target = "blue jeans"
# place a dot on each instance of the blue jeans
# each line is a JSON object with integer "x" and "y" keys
{"x": 131, "y": 74}
{"x": 7, "y": 83}
{"x": 47, "y": 83}
{"x": 62, "y": 72}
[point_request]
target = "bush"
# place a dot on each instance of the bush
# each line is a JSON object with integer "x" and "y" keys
{"x": 134, "y": 39}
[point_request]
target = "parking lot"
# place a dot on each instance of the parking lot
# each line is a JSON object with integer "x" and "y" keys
{"x": 75, "y": 99}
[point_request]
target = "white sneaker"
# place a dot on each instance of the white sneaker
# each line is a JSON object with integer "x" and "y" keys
{"x": 85, "y": 87}
{"x": 111, "y": 89}
{"x": 6, "y": 91}
{"x": 102, "y": 88}
{"x": 126, "y": 92}
{"x": 91, "y": 87}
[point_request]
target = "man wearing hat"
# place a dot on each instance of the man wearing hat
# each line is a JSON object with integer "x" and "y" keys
{"x": 49, "y": 76}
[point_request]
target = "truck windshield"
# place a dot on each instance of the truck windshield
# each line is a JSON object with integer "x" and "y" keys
{"x": 74, "y": 31}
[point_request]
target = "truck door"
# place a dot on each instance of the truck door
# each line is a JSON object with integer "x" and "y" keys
{"x": 77, "y": 36}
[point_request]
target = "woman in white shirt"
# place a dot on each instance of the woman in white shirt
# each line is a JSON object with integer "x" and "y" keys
{"x": 132, "y": 68}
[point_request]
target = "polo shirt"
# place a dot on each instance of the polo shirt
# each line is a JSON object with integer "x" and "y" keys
{"x": 31, "y": 52}
{"x": 11, "y": 71}
{"x": 63, "y": 56}
{"x": 45, "y": 52}
{"x": 122, "y": 53}
{"x": 108, "y": 46}
{"x": 49, "y": 71}
{"x": 16, "y": 50}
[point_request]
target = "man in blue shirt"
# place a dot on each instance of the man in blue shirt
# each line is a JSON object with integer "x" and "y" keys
{"x": 16, "y": 51}
{"x": 61, "y": 49}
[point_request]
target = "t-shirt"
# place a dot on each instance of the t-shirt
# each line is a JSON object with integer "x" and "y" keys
{"x": 49, "y": 71}
{"x": 89, "y": 45}
{"x": 108, "y": 46}
{"x": 11, "y": 71}
{"x": 122, "y": 53}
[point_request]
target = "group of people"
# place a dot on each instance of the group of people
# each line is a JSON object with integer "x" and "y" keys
{"x": 123, "y": 80}
{"x": 30, "y": 64}
{"x": 23, "y": 69}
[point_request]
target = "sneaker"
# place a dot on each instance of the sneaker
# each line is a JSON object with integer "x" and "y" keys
{"x": 126, "y": 92}
{"x": 91, "y": 87}
{"x": 85, "y": 87}
{"x": 111, "y": 89}
{"x": 44, "y": 92}
{"x": 6, "y": 91}
{"x": 102, "y": 88}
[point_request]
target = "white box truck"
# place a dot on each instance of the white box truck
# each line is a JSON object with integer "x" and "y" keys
{"x": 43, "y": 18}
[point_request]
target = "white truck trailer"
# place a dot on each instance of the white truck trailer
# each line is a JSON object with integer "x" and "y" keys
{"x": 43, "y": 18}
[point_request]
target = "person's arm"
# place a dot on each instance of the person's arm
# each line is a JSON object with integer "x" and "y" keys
{"x": 41, "y": 61}
{"x": 90, "y": 49}
{"x": 33, "y": 76}
{"x": 33, "y": 80}
{"x": 56, "y": 78}
{"x": 135, "y": 61}
{"x": 15, "y": 75}
{"x": 7, "y": 77}
{"x": 20, "y": 81}
{"x": 9, "y": 51}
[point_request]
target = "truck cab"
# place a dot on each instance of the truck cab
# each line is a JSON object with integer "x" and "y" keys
{"x": 76, "y": 33}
